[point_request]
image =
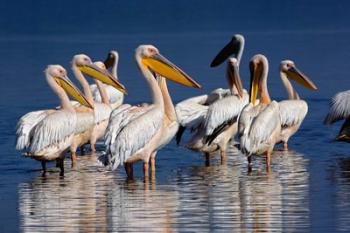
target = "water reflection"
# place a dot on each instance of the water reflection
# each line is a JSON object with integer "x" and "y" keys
{"x": 341, "y": 174}
{"x": 193, "y": 198}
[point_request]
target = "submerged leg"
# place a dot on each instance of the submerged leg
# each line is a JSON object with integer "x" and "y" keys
{"x": 223, "y": 156}
{"x": 92, "y": 147}
{"x": 82, "y": 149}
{"x": 73, "y": 158}
{"x": 129, "y": 170}
{"x": 60, "y": 163}
{"x": 43, "y": 165}
{"x": 250, "y": 167}
{"x": 285, "y": 146}
{"x": 268, "y": 160}
{"x": 207, "y": 159}
{"x": 145, "y": 169}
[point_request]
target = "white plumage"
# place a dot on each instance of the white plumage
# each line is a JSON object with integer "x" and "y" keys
{"x": 130, "y": 130}
{"x": 115, "y": 97}
{"x": 25, "y": 126}
{"x": 259, "y": 136}
{"x": 339, "y": 107}
{"x": 292, "y": 112}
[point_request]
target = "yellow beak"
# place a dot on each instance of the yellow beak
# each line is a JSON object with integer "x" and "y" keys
{"x": 295, "y": 74}
{"x": 103, "y": 75}
{"x": 254, "y": 83}
{"x": 73, "y": 91}
{"x": 165, "y": 68}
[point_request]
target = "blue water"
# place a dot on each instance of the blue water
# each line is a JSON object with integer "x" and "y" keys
{"x": 308, "y": 188}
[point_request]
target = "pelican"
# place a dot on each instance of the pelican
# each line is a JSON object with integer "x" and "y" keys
{"x": 134, "y": 132}
{"x": 220, "y": 123}
{"x": 115, "y": 96}
{"x": 192, "y": 112}
{"x": 91, "y": 123}
{"x": 293, "y": 110}
{"x": 340, "y": 110}
{"x": 261, "y": 124}
{"x": 45, "y": 135}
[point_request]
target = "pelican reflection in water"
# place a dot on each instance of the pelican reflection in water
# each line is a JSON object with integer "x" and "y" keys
{"x": 196, "y": 199}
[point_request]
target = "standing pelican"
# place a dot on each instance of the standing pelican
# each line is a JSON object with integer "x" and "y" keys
{"x": 47, "y": 135}
{"x": 220, "y": 122}
{"x": 293, "y": 110}
{"x": 192, "y": 112}
{"x": 115, "y": 96}
{"x": 263, "y": 125}
{"x": 340, "y": 110}
{"x": 134, "y": 133}
{"x": 91, "y": 123}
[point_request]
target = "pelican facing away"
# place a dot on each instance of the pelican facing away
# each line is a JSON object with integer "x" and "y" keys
{"x": 115, "y": 96}
{"x": 263, "y": 125}
{"x": 293, "y": 110}
{"x": 220, "y": 123}
{"x": 192, "y": 112}
{"x": 45, "y": 135}
{"x": 340, "y": 110}
{"x": 91, "y": 123}
{"x": 134, "y": 132}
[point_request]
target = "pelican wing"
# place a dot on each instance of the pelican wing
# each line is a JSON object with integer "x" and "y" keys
{"x": 223, "y": 111}
{"x": 85, "y": 121}
{"x": 102, "y": 112}
{"x": 292, "y": 112}
{"x": 25, "y": 126}
{"x": 53, "y": 129}
{"x": 138, "y": 127}
{"x": 263, "y": 126}
{"x": 339, "y": 107}
{"x": 115, "y": 97}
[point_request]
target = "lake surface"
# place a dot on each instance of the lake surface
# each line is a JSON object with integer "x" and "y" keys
{"x": 307, "y": 190}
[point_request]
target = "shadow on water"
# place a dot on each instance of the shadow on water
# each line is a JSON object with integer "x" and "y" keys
{"x": 194, "y": 198}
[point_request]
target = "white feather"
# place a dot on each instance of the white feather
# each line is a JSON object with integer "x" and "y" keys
{"x": 292, "y": 112}
{"x": 339, "y": 107}
{"x": 53, "y": 129}
{"x": 25, "y": 126}
{"x": 136, "y": 129}
{"x": 115, "y": 96}
{"x": 223, "y": 110}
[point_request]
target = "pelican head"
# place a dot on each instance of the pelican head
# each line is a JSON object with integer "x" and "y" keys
{"x": 85, "y": 65}
{"x": 233, "y": 48}
{"x": 233, "y": 77}
{"x": 288, "y": 68}
{"x": 111, "y": 59}
{"x": 258, "y": 66}
{"x": 150, "y": 58}
{"x": 59, "y": 74}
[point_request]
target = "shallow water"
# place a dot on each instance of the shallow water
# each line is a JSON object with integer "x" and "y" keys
{"x": 308, "y": 189}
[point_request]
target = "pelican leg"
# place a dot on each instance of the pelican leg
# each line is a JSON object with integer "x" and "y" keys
{"x": 250, "y": 167}
{"x": 43, "y": 165}
{"x": 268, "y": 160}
{"x": 60, "y": 163}
{"x": 223, "y": 156}
{"x": 73, "y": 158}
{"x": 145, "y": 169}
{"x": 207, "y": 159}
{"x": 285, "y": 146}
{"x": 82, "y": 149}
{"x": 129, "y": 170}
{"x": 92, "y": 147}
{"x": 153, "y": 163}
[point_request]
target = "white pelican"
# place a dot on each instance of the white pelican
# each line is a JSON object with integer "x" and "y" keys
{"x": 340, "y": 110}
{"x": 259, "y": 124}
{"x": 293, "y": 110}
{"x": 263, "y": 125}
{"x": 192, "y": 112}
{"x": 115, "y": 96}
{"x": 220, "y": 121}
{"x": 134, "y": 132}
{"x": 91, "y": 123}
{"x": 45, "y": 135}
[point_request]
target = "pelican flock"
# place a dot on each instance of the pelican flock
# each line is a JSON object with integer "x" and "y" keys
{"x": 133, "y": 133}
